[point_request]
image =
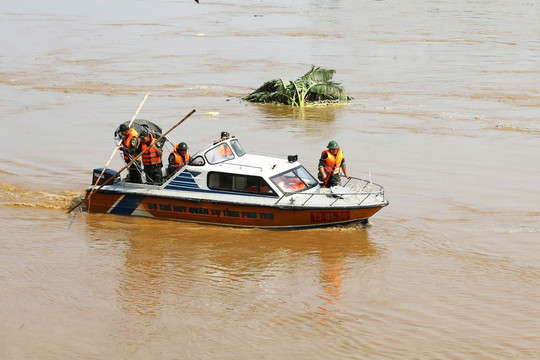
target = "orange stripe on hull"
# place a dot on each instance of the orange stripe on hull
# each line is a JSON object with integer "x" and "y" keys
{"x": 101, "y": 202}
{"x": 230, "y": 214}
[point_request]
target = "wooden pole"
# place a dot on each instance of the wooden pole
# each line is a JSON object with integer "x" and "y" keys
{"x": 131, "y": 162}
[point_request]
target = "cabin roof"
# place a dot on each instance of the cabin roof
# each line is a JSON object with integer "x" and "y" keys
{"x": 249, "y": 164}
{"x": 256, "y": 165}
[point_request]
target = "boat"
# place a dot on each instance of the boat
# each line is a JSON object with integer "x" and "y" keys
{"x": 224, "y": 185}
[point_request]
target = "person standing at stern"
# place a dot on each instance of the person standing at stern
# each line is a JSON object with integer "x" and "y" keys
{"x": 129, "y": 146}
{"x": 151, "y": 158}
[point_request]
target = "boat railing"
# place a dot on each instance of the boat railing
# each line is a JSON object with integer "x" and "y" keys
{"x": 360, "y": 189}
{"x": 241, "y": 165}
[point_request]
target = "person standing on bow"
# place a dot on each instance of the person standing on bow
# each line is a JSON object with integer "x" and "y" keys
{"x": 129, "y": 146}
{"x": 330, "y": 163}
{"x": 178, "y": 158}
{"x": 151, "y": 158}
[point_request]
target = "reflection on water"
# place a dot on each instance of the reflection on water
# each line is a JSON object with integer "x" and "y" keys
{"x": 314, "y": 114}
{"x": 164, "y": 258}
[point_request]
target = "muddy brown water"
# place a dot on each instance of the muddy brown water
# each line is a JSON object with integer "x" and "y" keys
{"x": 445, "y": 117}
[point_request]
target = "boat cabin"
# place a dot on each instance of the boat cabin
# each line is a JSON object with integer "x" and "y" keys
{"x": 226, "y": 167}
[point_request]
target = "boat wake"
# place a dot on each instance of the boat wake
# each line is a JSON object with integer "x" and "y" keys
{"x": 12, "y": 195}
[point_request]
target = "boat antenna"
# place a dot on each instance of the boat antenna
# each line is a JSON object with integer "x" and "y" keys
{"x": 129, "y": 164}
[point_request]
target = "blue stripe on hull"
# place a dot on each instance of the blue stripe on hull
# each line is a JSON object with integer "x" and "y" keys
{"x": 183, "y": 180}
{"x": 127, "y": 205}
{"x": 180, "y": 185}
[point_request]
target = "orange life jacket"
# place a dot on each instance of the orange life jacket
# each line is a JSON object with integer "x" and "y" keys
{"x": 126, "y": 141}
{"x": 294, "y": 184}
{"x": 333, "y": 163}
{"x": 262, "y": 189}
{"x": 150, "y": 157}
{"x": 178, "y": 160}
{"x": 224, "y": 150}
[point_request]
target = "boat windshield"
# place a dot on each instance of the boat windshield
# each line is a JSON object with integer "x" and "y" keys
{"x": 297, "y": 179}
{"x": 237, "y": 147}
{"x": 219, "y": 153}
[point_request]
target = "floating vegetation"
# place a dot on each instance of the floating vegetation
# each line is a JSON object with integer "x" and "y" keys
{"x": 313, "y": 88}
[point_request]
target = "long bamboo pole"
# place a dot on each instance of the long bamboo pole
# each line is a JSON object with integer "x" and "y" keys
{"x": 131, "y": 162}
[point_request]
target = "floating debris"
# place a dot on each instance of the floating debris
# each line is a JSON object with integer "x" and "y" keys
{"x": 314, "y": 87}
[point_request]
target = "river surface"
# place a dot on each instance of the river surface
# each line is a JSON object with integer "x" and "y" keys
{"x": 445, "y": 117}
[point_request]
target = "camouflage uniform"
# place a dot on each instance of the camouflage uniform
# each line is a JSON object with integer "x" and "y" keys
{"x": 333, "y": 180}
{"x": 153, "y": 172}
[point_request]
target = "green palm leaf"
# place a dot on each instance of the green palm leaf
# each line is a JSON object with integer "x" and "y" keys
{"x": 317, "y": 75}
{"x": 313, "y": 86}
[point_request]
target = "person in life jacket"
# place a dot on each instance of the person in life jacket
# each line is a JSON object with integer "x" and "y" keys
{"x": 223, "y": 151}
{"x": 152, "y": 158}
{"x": 330, "y": 163}
{"x": 224, "y": 136}
{"x": 178, "y": 158}
{"x": 129, "y": 146}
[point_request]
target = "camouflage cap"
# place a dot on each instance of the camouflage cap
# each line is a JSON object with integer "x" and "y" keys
{"x": 182, "y": 146}
{"x": 332, "y": 145}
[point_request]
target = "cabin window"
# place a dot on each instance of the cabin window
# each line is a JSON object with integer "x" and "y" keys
{"x": 239, "y": 183}
{"x": 219, "y": 153}
{"x": 197, "y": 161}
{"x": 297, "y": 179}
{"x": 237, "y": 148}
